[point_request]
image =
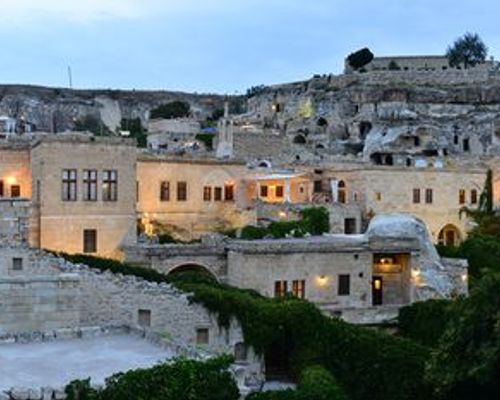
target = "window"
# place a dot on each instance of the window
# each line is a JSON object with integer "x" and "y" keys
{"x": 165, "y": 191}
{"x": 318, "y": 186}
{"x": 15, "y": 191}
{"x": 110, "y": 185}
{"x": 280, "y": 288}
{"x": 144, "y": 318}
{"x": 263, "y": 191}
{"x": 217, "y": 193}
{"x": 344, "y": 287}
{"x": 89, "y": 241}
{"x": 416, "y": 196}
{"x": 428, "y": 196}
{"x": 378, "y": 196}
{"x": 350, "y": 226}
{"x": 181, "y": 191}
{"x": 342, "y": 192}
{"x": 38, "y": 190}
{"x": 229, "y": 192}
{"x": 1, "y": 189}
{"x": 279, "y": 191}
{"x": 455, "y": 139}
{"x": 89, "y": 185}
{"x": 17, "y": 264}
{"x": 461, "y": 196}
{"x": 299, "y": 289}
{"x": 69, "y": 185}
{"x": 207, "y": 193}
{"x": 466, "y": 145}
{"x": 202, "y": 336}
{"x": 473, "y": 196}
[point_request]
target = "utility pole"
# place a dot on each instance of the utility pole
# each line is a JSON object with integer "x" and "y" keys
{"x": 70, "y": 77}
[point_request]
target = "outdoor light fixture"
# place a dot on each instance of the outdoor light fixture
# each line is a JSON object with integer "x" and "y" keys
{"x": 322, "y": 280}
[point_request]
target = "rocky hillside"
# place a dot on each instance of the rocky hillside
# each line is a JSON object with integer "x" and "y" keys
{"x": 56, "y": 109}
{"x": 390, "y": 117}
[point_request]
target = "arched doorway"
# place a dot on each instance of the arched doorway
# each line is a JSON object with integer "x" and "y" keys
{"x": 449, "y": 236}
{"x": 342, "y": 192}
{"x": 192, "y": 272}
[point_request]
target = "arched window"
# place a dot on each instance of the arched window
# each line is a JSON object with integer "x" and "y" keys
{"x": 449, "y": 236}
{"x": 342, "y": 192}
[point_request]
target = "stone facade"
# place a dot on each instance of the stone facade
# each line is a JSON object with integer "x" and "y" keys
{"x": 206, "y": 204}
{"x": 64, "y": 213}
{"x": 337, "y": 272}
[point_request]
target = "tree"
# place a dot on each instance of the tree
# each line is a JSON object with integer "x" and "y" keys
{"x": 360, "y": 58}
{"x": 467, "y": 51}
{"x": 174, "y": 109}
{"x": 466, "y": 363}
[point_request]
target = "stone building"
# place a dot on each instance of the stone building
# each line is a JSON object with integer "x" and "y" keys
{"x": 84, "y": 193}
{"x": 363, "y": 278}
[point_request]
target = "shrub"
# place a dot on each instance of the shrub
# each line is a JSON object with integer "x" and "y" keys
{"x": 251, "y": 232}
{"x": 424, "y": 322}
{"x": 207, "y": 139}
{"x": 134, "y": 126}
{"x": 315, "y": 220}
{"x": 93, "y": 124}
{"x": 393, "y": 66}
{"x": 180, "y": 380}
{"x": 466, "y": 363}
{"x": 360, "y": 58}
{"x": 315, "y": 383}
{"x": 164, "y": 238}
{"x": 174, "y": 109}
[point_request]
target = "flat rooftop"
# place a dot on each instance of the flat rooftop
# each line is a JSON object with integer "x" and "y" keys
{"x": 55, "y": 364}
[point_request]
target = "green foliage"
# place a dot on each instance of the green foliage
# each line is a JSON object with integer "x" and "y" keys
{"x": 134, "y": 126}
{"x": 314, "y": 221}
{"x": 251, "y": 232}
{"x": 315, "y": 383}
{"x": 174, "y": 109}
{"x": 164, "y": 238}
{"x": 393, "y": 66}
{"x": 466, "y": 363}
{"x": 366, "y": 363}
{"x": 360, "y": 58}
{"x": 181, "y": 380}
{"x": 424, "y": 322}
{"x": 207, "y": 139}
{"x": 467, "y": 51}
{"x": 90, "y": 123}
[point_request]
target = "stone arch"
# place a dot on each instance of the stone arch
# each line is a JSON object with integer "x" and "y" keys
{"x": 449, "y": 235}
{"x": 265, "y": 164}
{"x": 193, "y": 267}
{"x": 299, "y": 139}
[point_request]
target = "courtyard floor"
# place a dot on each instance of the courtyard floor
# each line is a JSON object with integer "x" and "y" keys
{"x": 57, "y": 363}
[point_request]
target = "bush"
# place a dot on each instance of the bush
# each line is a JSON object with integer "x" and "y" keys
{"x": 181, "y": 380}
{"x": 315, "y": 220}
{"x": 164, "y": 238}
{"x": 425, "y": 322}
{"x": 251, "y": 232}
{"x": 316, "y": 383}
{"x": 360, "y": 58}
{"x": 134, "y": 126}
{"x": 466, "y": 363}
{"x": 174, "y": 109}
{"x": 93, "y": 124}
{"x": 207, "y": 139}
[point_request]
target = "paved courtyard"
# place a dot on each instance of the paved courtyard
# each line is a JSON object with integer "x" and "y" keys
{"x": 57, "y": 363}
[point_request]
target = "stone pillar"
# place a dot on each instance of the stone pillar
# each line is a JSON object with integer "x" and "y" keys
{"x": 287, "y": 190}
{"x": 334, "y": 186}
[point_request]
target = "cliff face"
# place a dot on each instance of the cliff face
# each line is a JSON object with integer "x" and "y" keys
{"x": 390, "y": 117}
{"x": 56, "y": 110}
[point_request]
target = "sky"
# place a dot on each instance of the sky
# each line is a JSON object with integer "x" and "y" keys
{"x": 221, "y": 46}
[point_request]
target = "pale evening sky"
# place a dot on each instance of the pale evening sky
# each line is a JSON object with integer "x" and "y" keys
{"x": 221, "y": 46}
